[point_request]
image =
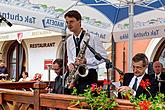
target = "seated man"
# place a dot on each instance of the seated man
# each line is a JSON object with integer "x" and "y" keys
{"x": 132, "y": 81}
{"x": 58, "y": 87}
{"x": 159, "y": 76}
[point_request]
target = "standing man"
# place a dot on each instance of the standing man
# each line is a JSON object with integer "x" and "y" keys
{"x": 57, "y": 66}
{"x": 132, "y": 81}
{"x": 159, "y": 76}
{"x": 74, "y": 45}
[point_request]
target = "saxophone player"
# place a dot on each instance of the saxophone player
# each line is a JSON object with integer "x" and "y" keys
{"x": 74, "y": 45}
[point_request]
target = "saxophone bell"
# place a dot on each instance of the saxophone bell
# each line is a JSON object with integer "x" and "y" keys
{"x": 82, "y": 70}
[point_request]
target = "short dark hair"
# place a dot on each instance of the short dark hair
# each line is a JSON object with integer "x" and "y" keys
{"x": 26, "y": 73}
{"x": 140, "y": 57}
{"x": 59, "y": 61}
{"x": 73, "y": 13}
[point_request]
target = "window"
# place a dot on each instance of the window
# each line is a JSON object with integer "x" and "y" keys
{"x": 162, "y": 58}
{"x": 16, "y": 59}
{"x": 160, "y": 54}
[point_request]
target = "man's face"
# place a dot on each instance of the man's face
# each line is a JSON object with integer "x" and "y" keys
{"x": 138, "y": 68}
{"x": 72, "y": 23}
{"x": 157, "y": 67}
{"x": 57, "y": 69}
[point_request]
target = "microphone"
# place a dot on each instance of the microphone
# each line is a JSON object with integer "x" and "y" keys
{"x": 119, "y": 71}
{"x": 5, "y": 20}
{"x": 97, "y": 55}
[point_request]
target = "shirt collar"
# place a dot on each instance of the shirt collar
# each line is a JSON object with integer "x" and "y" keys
{"x": 78, "y": 35}
{"x": 64, "y": 75}
{"x": 158, "y": 75}
{"x": 139, "y": 77}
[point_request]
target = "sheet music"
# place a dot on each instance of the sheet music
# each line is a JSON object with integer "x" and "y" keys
{"x": 116, "y": 84}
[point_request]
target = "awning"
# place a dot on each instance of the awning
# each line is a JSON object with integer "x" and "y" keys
{"x": 25, "y": 33}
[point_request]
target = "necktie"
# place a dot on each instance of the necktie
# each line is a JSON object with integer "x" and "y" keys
{"x": 135, "y": 84}
{"x": 156, "y": 78}
{"x": 77, "y": 41}
{"x": 77, "y": 46}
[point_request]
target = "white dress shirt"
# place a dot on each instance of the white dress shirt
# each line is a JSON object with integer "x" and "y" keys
{"x": 138, "y": 82}
{"x": 158, "y": 76}
{"x": 94, "y": 42}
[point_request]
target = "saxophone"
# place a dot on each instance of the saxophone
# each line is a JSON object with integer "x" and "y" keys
{"x": 79, "y": 70}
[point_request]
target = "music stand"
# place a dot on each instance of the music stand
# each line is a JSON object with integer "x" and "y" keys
{"x": 161, "y": 80}
{"x": 159, "y": 83}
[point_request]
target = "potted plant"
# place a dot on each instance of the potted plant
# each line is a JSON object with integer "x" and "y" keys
{"x": 95, "y": 98}
{"x": 151, "y": 103}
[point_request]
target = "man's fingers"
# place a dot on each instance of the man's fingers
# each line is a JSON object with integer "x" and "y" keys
{"x": 123, "y": 88}
{"x": 71, "y": 67}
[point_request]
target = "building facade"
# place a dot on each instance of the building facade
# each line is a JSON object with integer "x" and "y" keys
{"x": 153, "y": 48}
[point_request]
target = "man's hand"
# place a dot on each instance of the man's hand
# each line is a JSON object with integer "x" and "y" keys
{"x": 71, "y": 67}
{"x": 80, "y": 60}
{"x": 125, "y": 89}
{"x": 71, "y": 85}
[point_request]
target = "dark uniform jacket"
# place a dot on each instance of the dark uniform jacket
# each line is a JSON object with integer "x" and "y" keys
{"x": 57, "y": 87}
{"x": 153, "y": 87}
{"x": 161, "y": 82}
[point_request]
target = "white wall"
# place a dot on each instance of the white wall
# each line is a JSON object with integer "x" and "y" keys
{"x": 36, "y": 56}
{"x": 1, "y": 43}
{"x": 152, "y": 48}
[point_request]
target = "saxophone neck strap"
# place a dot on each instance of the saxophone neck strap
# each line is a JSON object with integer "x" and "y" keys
{"x": 77, "y": 44}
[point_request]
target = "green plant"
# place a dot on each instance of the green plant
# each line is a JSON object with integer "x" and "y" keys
{"x": 151, "y": 103}
{"x": 96, "y": 98}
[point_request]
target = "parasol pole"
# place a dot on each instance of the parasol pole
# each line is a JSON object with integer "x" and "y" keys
{"x": 130, "y": 41}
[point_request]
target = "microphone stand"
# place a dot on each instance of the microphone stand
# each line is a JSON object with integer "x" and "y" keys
{"x": 5, "y": 20}
{"x": 108, "y": 65}
{"x": 49, "y": 85}
{"x": 63, "y": 66}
